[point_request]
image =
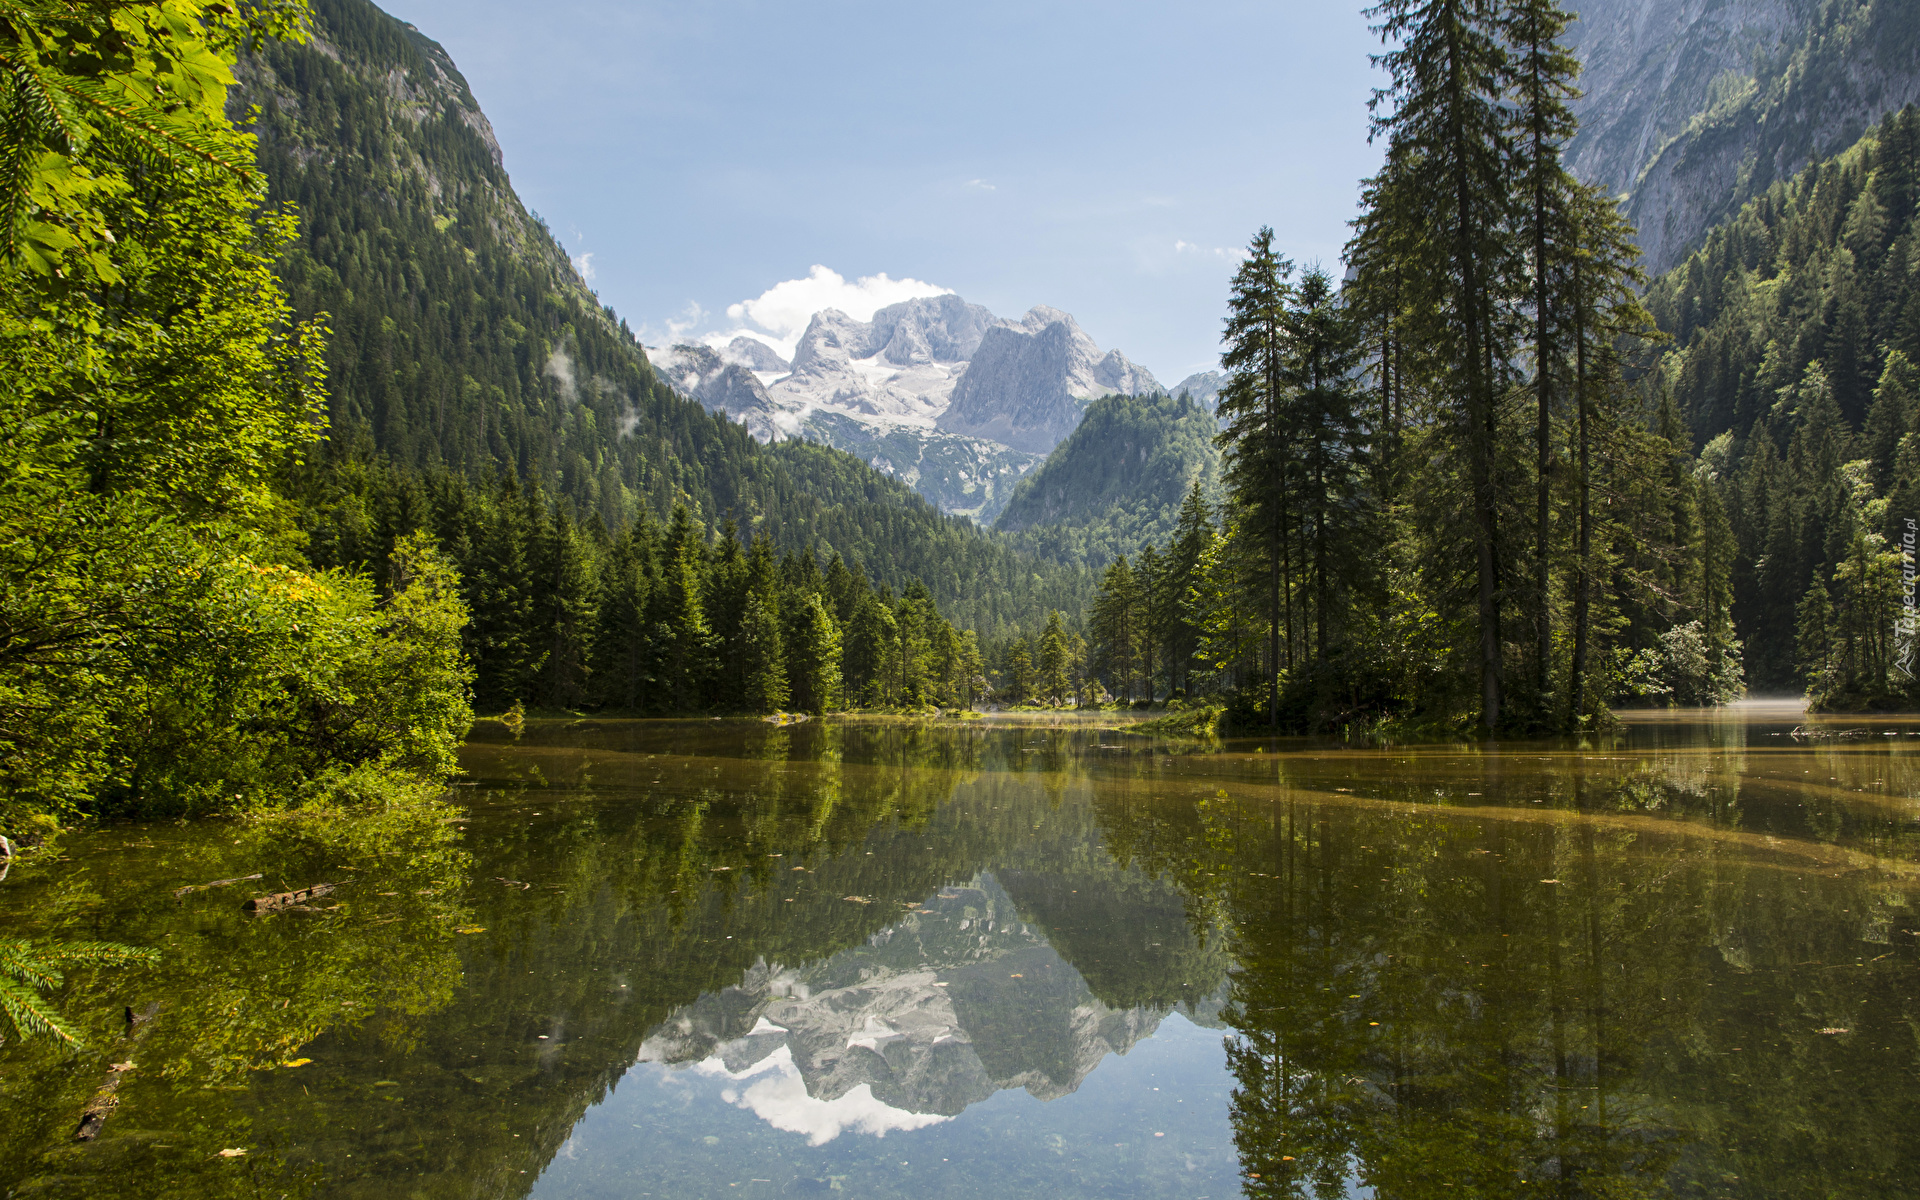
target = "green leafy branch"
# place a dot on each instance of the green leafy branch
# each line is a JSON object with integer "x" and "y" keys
{"x": 27, "y": 969}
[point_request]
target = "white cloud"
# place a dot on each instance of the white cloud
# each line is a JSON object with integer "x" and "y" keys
{"x": 785, "y": 308}
{"x": 1182, "y": 246}
{"x": 982, "y": 185}
{"x": 779, "y": 1097}
{"x": 779, "y": 315}
{"x": 584, "y": 265}
{"x": 692, "y": 317}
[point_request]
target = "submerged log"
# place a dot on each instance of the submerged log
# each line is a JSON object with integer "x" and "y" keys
{"x": 105, "y": 1097}
{"x": 201, "y": 887}
{"x": 283, "y": 901}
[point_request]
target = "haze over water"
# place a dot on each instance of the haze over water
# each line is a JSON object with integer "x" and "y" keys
{"x": 1041, "y": 958}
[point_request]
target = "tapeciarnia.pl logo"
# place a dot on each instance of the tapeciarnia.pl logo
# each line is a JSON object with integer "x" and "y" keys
{"x": 1908, "y": 632}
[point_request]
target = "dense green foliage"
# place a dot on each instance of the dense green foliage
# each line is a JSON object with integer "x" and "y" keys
{"x": 1116, "y": 483}
{"x": 163, "y": 645}
{"x": 653, "y": 619}
{"x": 1447, "y": 502}
{"x": 464, "y": 344}
{"x": 1797, "y": 326}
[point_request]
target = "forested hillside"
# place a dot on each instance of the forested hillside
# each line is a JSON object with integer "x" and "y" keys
{"x": 1116, "y": 483}
{"x": 464, "y": 345}
{"x": 1796, "y": 329}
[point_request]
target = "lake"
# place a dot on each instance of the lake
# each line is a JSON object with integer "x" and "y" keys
{"x": 1014, "y": 958}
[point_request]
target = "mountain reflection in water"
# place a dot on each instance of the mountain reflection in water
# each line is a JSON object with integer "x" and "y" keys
{"x": 961, "y": 999}
{"x": 955, "y": 960}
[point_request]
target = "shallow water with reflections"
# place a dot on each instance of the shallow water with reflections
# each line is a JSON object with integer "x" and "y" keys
{"x": 1031, "y": 958}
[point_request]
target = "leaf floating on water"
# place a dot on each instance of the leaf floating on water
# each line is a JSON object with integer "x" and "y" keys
{"x": 1830, "y": 1032}
{"x": 1549, "y": 881}
{"x": 470, "y": 929}
{"x": 1016, "y": 977}
{"x": 857, "y": 899}
{"x": 298, "y": 1062}
{"x": 241, "y": 1153}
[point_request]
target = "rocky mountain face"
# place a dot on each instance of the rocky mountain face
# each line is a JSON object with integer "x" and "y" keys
{"x": 755, "y": 355}
{"x": 721, "y": 382}
{"x": 937, "y": 392}
{"x": 1027, "y": 385}
{"x": 961, "y": 999}
{"x": 1203, "y": 388}
{"x": 1693, "y": 107}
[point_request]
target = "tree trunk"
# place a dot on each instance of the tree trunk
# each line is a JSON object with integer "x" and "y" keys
{"x": 1543, "y": 378}
{"x": 1583, "y": 580}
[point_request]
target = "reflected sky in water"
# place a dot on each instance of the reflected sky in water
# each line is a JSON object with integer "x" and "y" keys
{"x": 1043, "y": 958}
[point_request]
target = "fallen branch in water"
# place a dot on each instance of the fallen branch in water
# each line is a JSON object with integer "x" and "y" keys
{"x": 1816, "y": 733}
{"x": 201, "y": 887}
{"x": 105, "y": 1097}
{"x": 282, "y": 901}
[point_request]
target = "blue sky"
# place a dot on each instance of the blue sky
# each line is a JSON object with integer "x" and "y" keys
{"x": 1103, "y": 158}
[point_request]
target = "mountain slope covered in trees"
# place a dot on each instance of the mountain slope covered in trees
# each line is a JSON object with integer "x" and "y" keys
{"x": 464, "y": 344}
{"x": 1796, "y": 332}
{"x": 1116, "y": 483}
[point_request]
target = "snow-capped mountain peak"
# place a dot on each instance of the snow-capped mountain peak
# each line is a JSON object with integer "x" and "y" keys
{"x": 936, "y": 391}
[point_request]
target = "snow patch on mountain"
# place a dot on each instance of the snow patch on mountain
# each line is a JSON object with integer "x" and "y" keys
{"x": 941, "y": 394}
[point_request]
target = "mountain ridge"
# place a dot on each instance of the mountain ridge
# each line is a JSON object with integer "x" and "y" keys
{"x": 935, "y": 391}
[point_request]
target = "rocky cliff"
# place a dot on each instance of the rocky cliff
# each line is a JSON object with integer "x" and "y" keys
{"x": 1693, "y": 107}
{"x": 1203, "y": 388}
{"x": 1028, "y": 384}
{"x": 720, "y": 381}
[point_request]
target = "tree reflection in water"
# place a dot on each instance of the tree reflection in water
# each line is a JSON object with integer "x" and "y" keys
{"x": 1679, "y": 969}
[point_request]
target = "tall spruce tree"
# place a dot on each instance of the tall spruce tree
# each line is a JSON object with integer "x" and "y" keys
{"x": 1191, "y": 535}
{"x": 763, "y": 657}
{"x": 1116, "y": 628}
{"x": 1056, "y": 662}
{"x": 1542, "y": 73}
{"x": 814, "y": 651}
{"x": 683, "y": 642}
{"x": 1329, "y": 439}
{"x": 1444, "y": 206}
{"x": 1255, "y": 440}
